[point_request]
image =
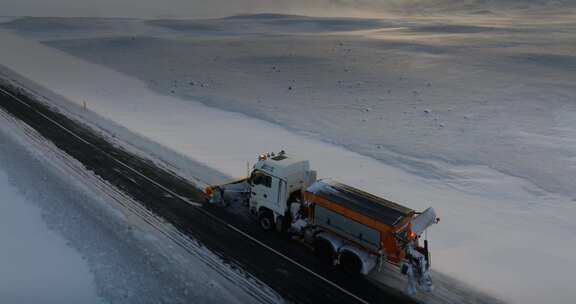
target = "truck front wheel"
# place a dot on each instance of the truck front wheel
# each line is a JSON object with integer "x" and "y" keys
{"x": 266, "y": 221}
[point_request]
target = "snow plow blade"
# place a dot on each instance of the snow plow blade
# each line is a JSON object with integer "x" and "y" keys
{"x": 235, "y": 190}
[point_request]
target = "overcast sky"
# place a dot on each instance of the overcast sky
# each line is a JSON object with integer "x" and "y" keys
{"x": 217, "y": 8}
{"x": 159, "y": 8}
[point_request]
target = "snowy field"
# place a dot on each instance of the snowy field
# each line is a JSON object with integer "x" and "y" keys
{"x": 475, "y": 117}
{"x": 422, "y": 95}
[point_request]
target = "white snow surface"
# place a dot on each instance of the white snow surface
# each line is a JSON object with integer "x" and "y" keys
{"x": 493, "y": 155}
{"x": 38, "y": 266}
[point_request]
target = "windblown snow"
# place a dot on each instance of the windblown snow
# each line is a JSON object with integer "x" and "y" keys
{"x": 474, "y": 116}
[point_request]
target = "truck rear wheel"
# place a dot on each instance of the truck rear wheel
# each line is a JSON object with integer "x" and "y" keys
{"x": 350, "y": 263}
{"x": 266, "y": 221}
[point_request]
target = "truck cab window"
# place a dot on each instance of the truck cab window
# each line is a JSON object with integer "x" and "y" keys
{"x": 260, "y": 178}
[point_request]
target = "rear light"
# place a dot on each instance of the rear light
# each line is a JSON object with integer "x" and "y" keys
{"x": 209, "y": 191}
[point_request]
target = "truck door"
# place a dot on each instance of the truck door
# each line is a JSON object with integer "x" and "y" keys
{"x": 264, "y": 190}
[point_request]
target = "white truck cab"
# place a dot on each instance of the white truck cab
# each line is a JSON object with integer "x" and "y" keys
{"x": 276, "y": 181}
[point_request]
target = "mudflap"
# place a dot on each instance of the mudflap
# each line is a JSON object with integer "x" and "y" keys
{"x": 417, "y": 269}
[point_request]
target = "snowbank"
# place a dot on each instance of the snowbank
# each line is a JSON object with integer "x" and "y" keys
{"x": 38, "y": 265}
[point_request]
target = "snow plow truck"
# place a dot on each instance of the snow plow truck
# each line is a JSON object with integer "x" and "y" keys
{"x": 342, "y": 225}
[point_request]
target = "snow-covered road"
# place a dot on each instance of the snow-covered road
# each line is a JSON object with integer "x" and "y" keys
{"x": 494, "y": 225}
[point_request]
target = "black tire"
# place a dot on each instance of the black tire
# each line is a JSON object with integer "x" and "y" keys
{"x": 280, "y": 224}
{"x": 324, "y": 251}
{"x": 266, "y": 220}
{"x": 283, "y": 224}
{"x": 351, "y": 263}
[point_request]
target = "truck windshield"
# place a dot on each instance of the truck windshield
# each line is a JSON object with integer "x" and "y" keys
{"x": 261, "y": 178}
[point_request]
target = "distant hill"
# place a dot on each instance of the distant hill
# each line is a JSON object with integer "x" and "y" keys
{"x": 468, "y": 6}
